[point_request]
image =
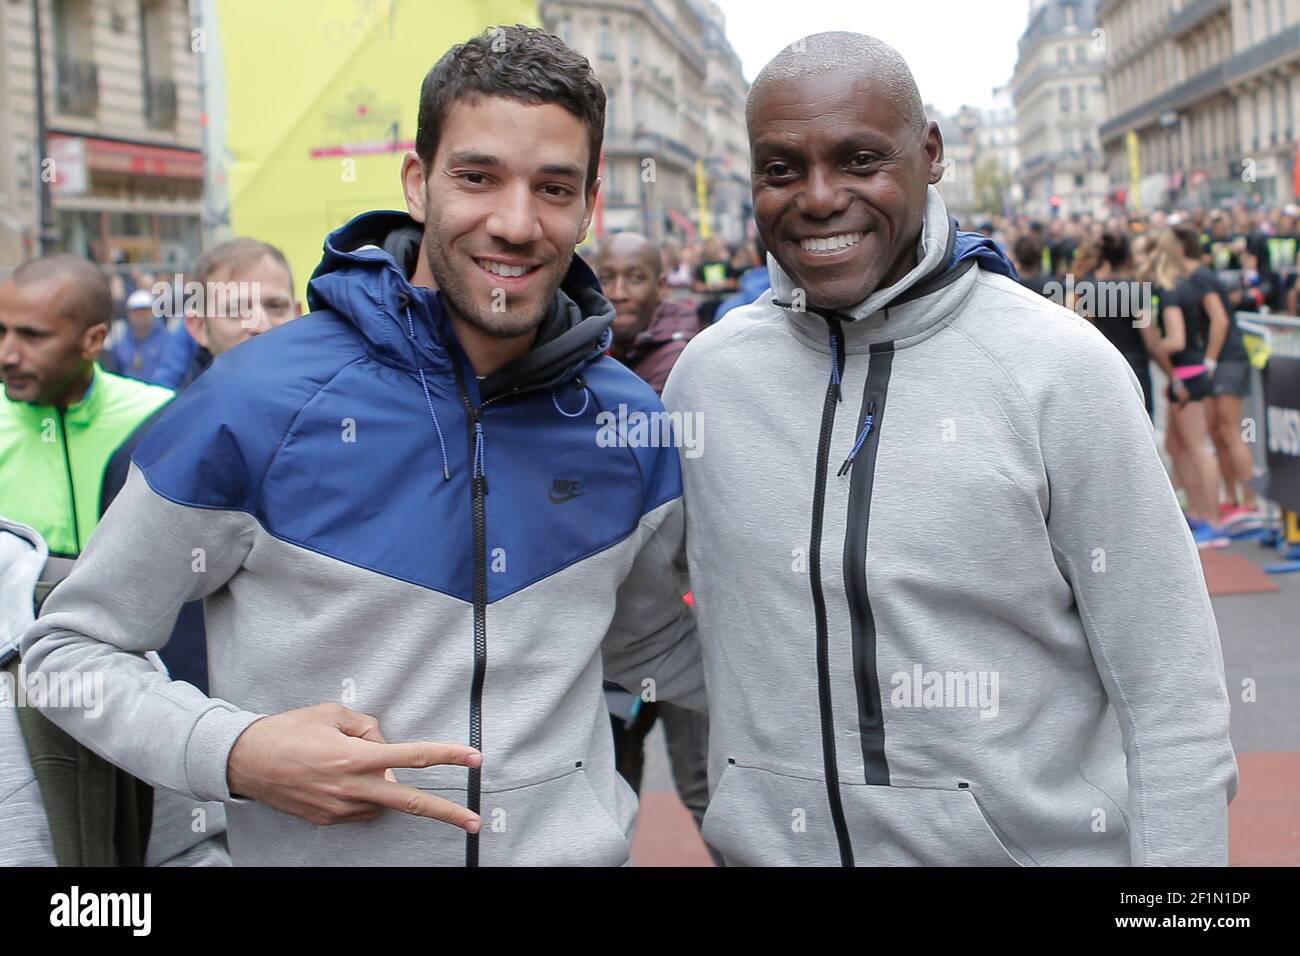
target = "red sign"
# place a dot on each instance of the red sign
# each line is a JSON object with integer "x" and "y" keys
{"x": 136, "y": 159}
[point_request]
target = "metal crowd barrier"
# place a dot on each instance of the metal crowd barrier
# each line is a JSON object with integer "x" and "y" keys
{"x": 1274, "y": 335}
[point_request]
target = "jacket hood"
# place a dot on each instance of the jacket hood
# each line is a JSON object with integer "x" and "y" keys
{"x": 942, "y": 251}
{"x": 23, "y": 553}
{"x": 364, "y": 277}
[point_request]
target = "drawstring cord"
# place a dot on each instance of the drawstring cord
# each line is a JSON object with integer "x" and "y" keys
{"x": 446, "y": 469}
{"x": 857, "y": 447}
{"x": 586, "y": 400}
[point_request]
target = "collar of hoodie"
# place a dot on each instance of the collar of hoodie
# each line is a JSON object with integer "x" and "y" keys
{"x": 873, "y": 320}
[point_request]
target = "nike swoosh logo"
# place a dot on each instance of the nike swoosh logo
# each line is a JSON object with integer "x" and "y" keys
{"x": 561, "y": 499}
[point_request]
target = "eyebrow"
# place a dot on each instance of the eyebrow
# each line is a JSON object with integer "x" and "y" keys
{"x": 468, "y": 157}
{"x": 863, "y": 140}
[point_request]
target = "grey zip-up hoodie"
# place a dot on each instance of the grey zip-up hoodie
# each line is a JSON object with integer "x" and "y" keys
{"x": 984, "y": 638}
{"x": 180, "y": 836}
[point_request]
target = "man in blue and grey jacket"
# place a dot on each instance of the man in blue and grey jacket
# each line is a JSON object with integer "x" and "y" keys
{"x": 403, "y": 526}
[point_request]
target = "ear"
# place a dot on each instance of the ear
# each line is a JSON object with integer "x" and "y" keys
{"x": 92, "y": 340}
{"x": 197, "y": 327}
{"x": 297, "y": 307}
{"x": 933, "y": 149}
{"x": 591, "y": 211}
{"x": 413, "y": 186}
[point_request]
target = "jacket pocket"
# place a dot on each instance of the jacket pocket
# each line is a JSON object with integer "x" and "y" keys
{"x": 553, "y": 821}
{"x": 761, "y": 817}
{"x": 922, "y": 826}
{"x": 764, "y": 817}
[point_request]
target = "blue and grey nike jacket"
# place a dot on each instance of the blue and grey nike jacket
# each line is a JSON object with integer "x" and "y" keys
{"x": 371, "y": 525}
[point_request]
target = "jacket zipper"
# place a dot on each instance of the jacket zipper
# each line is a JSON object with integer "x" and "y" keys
{"x": 478, "y": 489}
{"x": 72, "y": 488}
{"x": 829, "y": 762}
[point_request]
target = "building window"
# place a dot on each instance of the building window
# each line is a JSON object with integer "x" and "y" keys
{"x": 1254, "y": 105}
{"x": 1065, "y": 99}
{"x": 605, "y": 40}
{"x": 1080, "y": 54}
{"x": 1290, "y": 110}
{"x": 1272, "y": 113}
{"x": 1281, "y": 14}
{"x": 1268, "y": 19}
{"x": 155, "y": 66}
{"x": 1083, "y": 99}
{"x": 1250, "y": 24}
{"x": 1062, "y": 56}
{"x": 76, "y": 78}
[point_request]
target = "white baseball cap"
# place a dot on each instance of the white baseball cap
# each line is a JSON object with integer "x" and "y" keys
{"x": 139, "y": 299}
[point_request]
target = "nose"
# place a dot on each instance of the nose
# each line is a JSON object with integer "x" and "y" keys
{"x": 514, "y": 218}
{"x": 256, "y": 322}
{"x": 617, "y": 289}
{"x": 8, "y": 349}
{"x": 821, "y": 198}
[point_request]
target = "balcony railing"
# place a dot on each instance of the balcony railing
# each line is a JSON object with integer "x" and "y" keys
{"x": 76, "y": 87}
{"x": 1194, "y": 14}
{"x": 160, "y": 103}
{"x": 1208, "y": 82}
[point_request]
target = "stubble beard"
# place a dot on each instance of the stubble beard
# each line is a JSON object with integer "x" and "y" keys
{"x": 507, "y": 324}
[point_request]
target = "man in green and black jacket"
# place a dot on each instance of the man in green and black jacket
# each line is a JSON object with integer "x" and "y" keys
{"x": 62, "y": 421}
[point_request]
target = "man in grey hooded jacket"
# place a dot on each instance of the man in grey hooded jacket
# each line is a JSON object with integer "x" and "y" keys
{"x": 950, "y": 610}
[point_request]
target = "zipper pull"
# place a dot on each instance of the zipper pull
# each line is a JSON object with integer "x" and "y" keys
{"x": 866, "y": 430}
{"x": 479, "y": 473}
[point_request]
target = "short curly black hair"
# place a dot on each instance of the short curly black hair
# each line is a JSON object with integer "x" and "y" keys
{"x": 518, "y": 62}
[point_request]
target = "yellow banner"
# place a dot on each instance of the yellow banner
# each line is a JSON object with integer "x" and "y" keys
{"x": 1134, "y": 169}
{"x": 321, "y": 101}
{"x": 702, "y": 200}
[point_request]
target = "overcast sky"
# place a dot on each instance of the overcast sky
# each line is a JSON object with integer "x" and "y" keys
{"x": 958, "y": 49}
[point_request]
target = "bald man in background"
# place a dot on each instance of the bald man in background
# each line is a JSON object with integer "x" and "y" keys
{"x": 62, "y": 420}
{"x": 649, "y": 330}
{"x": 950, "y": 610}
{"x": 650, "y": 333}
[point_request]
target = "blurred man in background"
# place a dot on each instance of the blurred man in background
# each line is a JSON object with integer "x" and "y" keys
{"x": 649, "y": 334}
{"x": 137, "y": 353}
{"x": 62, "y": 421}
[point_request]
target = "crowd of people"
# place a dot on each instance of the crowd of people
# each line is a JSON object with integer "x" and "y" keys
{"x": 298, "y": 526}
{"x": 1166, "y": 289}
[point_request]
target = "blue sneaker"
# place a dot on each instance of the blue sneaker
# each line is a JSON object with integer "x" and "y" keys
{"x": 1207, "y": 535}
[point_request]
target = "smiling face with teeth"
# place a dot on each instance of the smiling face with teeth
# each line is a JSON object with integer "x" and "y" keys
{"x": 839, "y": 181}
{"x": 503, "y": 202}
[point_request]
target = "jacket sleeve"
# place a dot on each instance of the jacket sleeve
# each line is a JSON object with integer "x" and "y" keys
{"x": 652, "y": 647}
{"x": 1121, "y": 540}
{"x": 186, "y": 832}
{"x": 148, "y": 556}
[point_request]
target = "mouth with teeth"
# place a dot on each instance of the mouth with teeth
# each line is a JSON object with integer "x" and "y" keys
{"x": 504, "y": 270}
{"x": 830, "y": 244}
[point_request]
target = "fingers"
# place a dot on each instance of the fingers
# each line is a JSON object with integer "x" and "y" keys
{"x": 418, "y": 803}
{"x": 354, "y": 723}
{"x": 418, "y": 753}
